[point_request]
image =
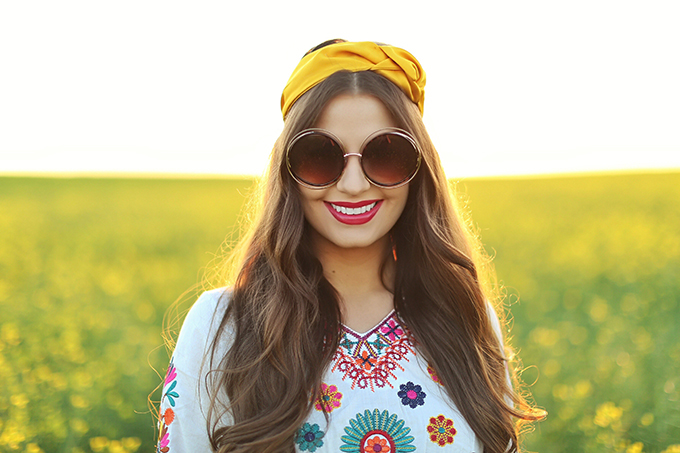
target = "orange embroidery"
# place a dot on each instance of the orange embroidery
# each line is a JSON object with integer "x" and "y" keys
{"x": 371, "y": 360}
{"x": 168, "y": 416}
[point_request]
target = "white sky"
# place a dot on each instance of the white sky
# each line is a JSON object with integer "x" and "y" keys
{"x": 164, "y": 86}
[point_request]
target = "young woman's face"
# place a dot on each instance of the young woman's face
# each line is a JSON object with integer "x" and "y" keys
{"x": 352, "y": 118}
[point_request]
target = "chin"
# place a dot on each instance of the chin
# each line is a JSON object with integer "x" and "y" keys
{"x": 349, "y": 242}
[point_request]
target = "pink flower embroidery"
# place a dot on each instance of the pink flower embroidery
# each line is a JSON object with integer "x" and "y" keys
{"x": 392, "y": 330}
{"x": 433, "y": 375}
{"x": 329, "y": 398}
{"x": 171, "y": 375}
{"x": 163, "y": 441}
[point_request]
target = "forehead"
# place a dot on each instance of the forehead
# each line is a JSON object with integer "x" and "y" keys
{"x": 353, "y": 117}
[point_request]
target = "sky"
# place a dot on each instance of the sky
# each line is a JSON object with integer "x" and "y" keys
{"x": 521, "y": 87}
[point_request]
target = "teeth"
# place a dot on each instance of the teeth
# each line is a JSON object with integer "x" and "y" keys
{"x": 354, "y": 211}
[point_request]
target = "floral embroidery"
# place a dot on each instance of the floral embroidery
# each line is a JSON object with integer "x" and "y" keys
{"x": 377, "y": 444}
{"x": 163, "y": 440}
{"x": 411, "y": 395}
{"x": 372, "y": 432}
{"x": 379, "y": 345}
{"x": 170, "y": 378}
{"x": 309, "y": 437}
{"x": 433, "y": 375}
{"x": 168, "y": 415}
{"x": 441, "y": 430}
{"x": 171, "y": 374}
{"x": 348, "y": 344}
{"x": 365, "y": 361}
{"x": 329, "y": 398}
{"x": 370, "y": 360}
{"x": 392, "y": 330}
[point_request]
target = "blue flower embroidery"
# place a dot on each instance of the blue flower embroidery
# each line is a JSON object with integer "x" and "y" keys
{"x": 309, "y": 437}
{"x": 373, "y": 429}
{"x": 411, "y": 395}
{"x": 171, "y": 379}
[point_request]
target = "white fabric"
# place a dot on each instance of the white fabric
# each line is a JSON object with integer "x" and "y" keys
{"x": 362, "y": 384}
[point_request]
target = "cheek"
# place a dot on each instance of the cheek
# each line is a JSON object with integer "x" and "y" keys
{"x": 401, "y": 198}
{"x": 311, "y": 200}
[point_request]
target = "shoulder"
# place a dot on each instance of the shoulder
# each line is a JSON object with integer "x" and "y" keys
{"x": 495, "y": 324}
{"x": 209, "y": 306}
{"x": 201, "y": 325}
{"x": 498, "y": 330}
{"x": 493, "y": 318}
{"x": 185, "y": 399}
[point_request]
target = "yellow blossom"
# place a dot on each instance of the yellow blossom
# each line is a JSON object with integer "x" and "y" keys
{"x": 98, "y": 444}
{"x": 606, "y": 414}
{"x": 635, "y": 448}
{"x": 675, "y": 448}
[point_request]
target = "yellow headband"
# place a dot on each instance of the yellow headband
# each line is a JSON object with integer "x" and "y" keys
{"x": 396, "y": 64}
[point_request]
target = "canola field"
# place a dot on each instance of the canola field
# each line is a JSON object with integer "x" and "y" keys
{"x": 89, "y": 267}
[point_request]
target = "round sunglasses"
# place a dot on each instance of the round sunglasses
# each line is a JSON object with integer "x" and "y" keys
{"x": 389, "y": 157}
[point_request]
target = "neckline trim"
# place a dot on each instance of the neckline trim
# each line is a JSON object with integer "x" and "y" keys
{"x": 370, "y": 331}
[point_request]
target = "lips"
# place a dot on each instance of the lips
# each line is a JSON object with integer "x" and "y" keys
{"x": 354, "y": 213}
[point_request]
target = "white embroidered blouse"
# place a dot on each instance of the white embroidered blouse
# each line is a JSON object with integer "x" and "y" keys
{"x": 378, "y": 392}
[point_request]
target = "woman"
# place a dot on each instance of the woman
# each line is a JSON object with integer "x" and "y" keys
{"x": 357, "y": 320}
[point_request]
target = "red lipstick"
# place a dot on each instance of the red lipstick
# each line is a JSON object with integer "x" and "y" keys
{"x": 353, "y": 219}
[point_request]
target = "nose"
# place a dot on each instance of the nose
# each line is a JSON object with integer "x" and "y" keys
{"x": 353, "y": 181}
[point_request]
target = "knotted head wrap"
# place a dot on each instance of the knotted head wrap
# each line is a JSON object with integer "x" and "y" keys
{"x": 397, "y": 65}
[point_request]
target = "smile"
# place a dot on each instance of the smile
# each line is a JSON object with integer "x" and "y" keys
{"x": 354, "y": 213}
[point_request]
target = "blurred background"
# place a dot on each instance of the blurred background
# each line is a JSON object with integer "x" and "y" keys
{"x": 131, "y": 134}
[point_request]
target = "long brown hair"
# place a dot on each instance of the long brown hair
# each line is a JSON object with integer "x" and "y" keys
{"x": 283, "y": 317}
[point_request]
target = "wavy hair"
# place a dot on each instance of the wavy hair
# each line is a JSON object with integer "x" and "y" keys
{"x": 283, "y": 318}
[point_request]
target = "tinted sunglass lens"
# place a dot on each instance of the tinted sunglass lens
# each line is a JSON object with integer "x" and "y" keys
{"x": 390, "y": 159}
{"x": 316, "y": 159}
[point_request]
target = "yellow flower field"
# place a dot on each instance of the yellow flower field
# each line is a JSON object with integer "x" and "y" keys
{"x": 88, "y": 268}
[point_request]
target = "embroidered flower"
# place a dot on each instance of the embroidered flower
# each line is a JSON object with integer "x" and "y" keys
{"x": 392, "y": 330}
{"x": 411, "y": 395}
{"x": 168, "y": 416}
{"x": 441, "y": 430}
{"x": 365, "y": 361}
{"x": 378, "y": 345}
{"x": 163, "y": 440}
{"x": 329, "y": 398}
{"x": 170, "y": 378}
{"x": 309, "y": 437}
{"x": 433, "y": 375}
{"x": 171, "y": 374}
{"x": 348, "y": 344}
{"x": 377, "y": 444}
{"x": 170, "y": 394}
{"x": 377, "y": 432}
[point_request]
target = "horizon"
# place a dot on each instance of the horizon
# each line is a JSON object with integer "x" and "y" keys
{"x": 199, "y": 176}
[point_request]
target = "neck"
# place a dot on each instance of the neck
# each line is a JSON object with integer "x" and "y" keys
{"x": 355, "y": 273}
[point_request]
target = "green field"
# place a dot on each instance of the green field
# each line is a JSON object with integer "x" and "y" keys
{"x": 88, "y": 267}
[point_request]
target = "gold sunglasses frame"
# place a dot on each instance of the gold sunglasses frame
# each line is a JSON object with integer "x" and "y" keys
{"x": 388, "y": 130}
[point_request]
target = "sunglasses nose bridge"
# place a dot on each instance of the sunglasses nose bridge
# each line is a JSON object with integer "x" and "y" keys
{"x": 353, "y": 180}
